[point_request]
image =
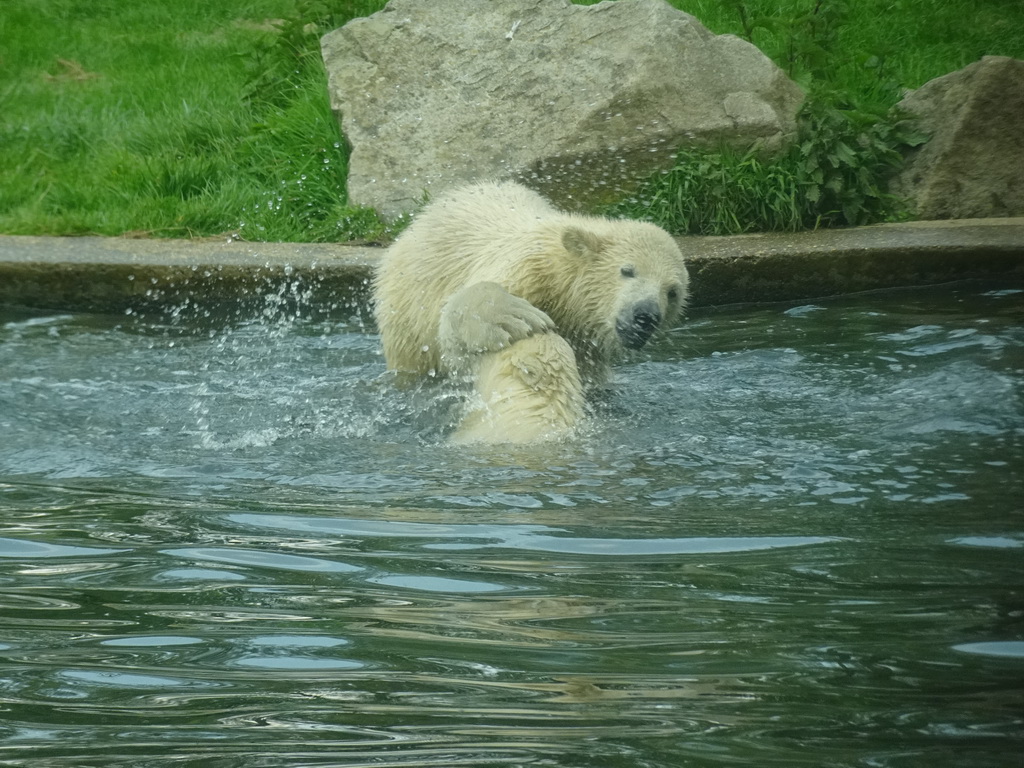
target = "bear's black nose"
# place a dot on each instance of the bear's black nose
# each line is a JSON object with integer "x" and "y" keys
{"x": 637, "y": 323}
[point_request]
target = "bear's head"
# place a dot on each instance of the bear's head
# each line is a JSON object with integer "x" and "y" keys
{"x": 630, "y": 281}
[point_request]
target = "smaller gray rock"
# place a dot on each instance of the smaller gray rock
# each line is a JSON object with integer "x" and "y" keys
{"x": 973, "y": 164}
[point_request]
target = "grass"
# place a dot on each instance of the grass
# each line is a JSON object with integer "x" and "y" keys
{"x": 191, "y": 118}
{"x": 183, "y": 118}
{"x": 869, "y": 50}
{"x": 835, "y": 174}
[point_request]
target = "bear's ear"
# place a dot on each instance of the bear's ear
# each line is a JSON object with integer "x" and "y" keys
{"x": 581, "y": 243}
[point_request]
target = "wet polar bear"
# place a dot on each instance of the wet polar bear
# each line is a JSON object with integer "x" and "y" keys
{"x": 492, "y": 282}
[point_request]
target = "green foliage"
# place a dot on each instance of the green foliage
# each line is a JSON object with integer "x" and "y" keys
{"x": 835, "y": 174}
{"x": 805, "y": 36}
{"x": 195, "y": 118}
{"x": 184, "y": 119}
{"x": 296, "y": 150}
{"x": 868, "y": 50}
{"x": 284, "y": 61}
{"x": 850, "y": 143}
{"x": 811, "y": 36}
{"x": 710, "y": 193}
{"x": 845, "y": 159}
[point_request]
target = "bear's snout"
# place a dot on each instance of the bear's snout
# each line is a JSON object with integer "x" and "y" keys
{"x": 637, "y": 323}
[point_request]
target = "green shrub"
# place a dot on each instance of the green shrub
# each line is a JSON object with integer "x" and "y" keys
{"x": 835, "y": 174}
{"x": 845, "y": 159}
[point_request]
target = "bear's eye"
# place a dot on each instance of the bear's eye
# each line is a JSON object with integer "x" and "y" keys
{"x": 628, "y": 271}
{"x": 673, "y": 294}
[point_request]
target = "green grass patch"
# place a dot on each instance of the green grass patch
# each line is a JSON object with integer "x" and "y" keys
{"x": 192, "y": 118}
{"x": 868, "y": 50}
{"x": 182, "y": 118}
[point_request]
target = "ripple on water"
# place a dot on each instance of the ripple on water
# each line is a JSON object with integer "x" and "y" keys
{"x": 20, "y": 548}
{"x": 262, "y": 559}
{"x": 1006, "y": 649}
{"x": 789, "y": 536}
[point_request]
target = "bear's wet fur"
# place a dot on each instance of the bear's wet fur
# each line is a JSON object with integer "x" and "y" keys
{"x": 486, "y": 267}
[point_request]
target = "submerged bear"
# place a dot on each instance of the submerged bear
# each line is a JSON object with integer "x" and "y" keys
{"x": 493, "y": 283}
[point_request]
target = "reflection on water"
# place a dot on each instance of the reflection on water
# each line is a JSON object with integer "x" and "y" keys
{"x": 790, "y": 536}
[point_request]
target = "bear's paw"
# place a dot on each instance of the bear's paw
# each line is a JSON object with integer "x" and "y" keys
{"x": 483, "y": 318}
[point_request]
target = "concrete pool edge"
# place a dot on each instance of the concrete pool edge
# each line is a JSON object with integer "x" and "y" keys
{"x": 113, "y": 274}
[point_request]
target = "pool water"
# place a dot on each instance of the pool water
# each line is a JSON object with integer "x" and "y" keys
{"x": 789, "y": 536}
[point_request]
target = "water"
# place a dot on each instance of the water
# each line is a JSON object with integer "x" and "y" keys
{"x": 793, "y": 536}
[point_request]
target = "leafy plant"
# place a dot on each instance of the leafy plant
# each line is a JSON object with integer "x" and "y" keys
{"x": 835, "y": 174}
{"x": 845, "y": 159}
{"x": 811, "y": 37}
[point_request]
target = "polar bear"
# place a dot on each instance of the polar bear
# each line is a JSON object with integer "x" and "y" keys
{"x": 526, "y": 392}
{"x": 492, "y": 282}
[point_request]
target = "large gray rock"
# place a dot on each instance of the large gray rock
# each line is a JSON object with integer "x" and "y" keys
{"x": 973, "y": 164}
{"x": 576, "y": 101}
